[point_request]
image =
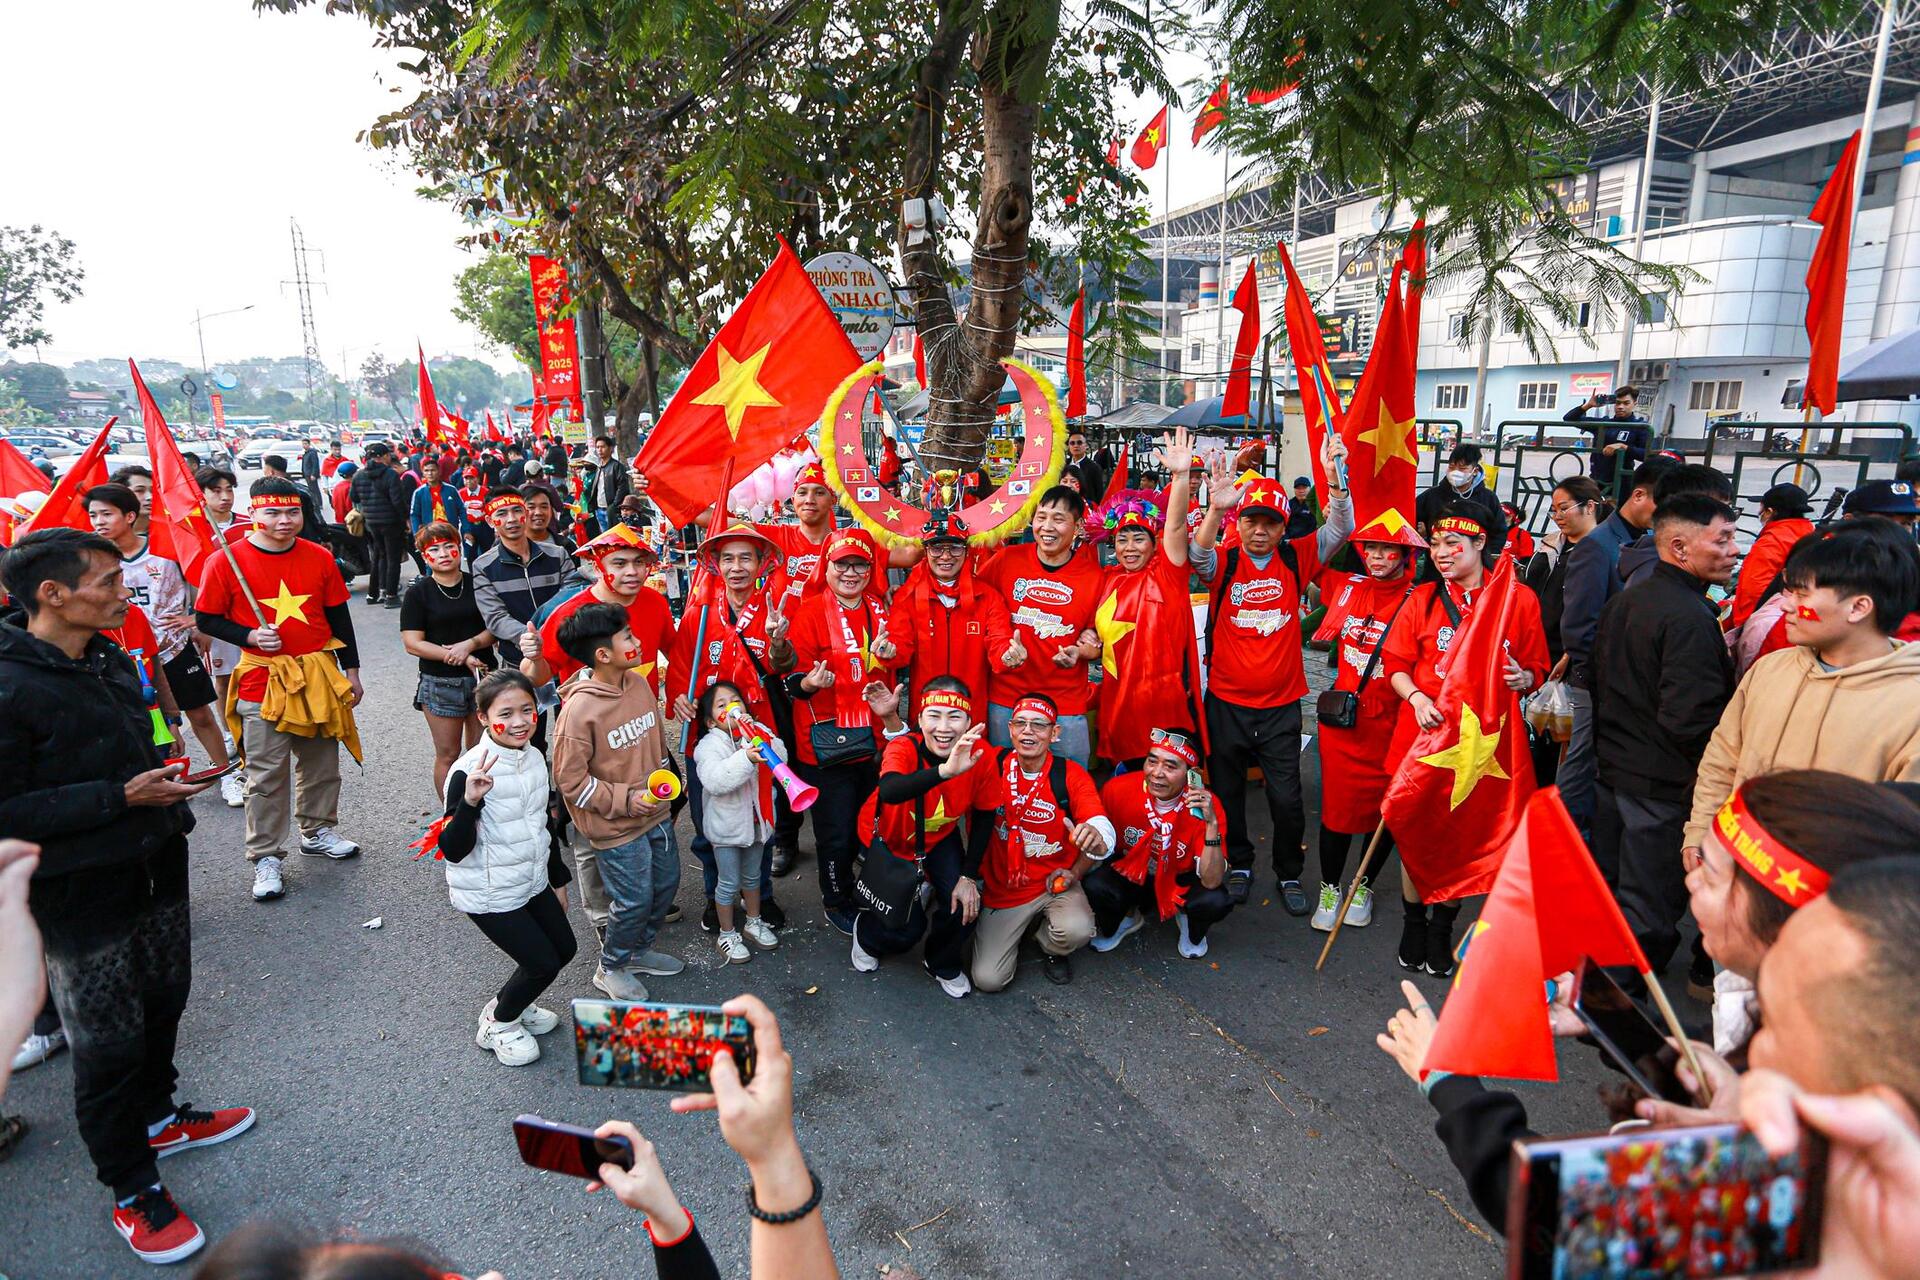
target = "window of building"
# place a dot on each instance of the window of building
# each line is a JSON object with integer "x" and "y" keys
{"x": 1586, "y": 315}
{"x": 1539, "y": 395}
{"x": 1193, "y": 354}
{"x": 1450, "y": 395}
{"x": 1715, "y": 397}
{"x": 1457, "y": 327}
{"x": 1653, "y": 309}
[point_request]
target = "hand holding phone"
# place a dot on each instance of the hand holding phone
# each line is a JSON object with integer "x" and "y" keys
{"x": 641, "y": 1184}
{"x": 569, "y": 1149}
{"x": 1627, "y": 1036}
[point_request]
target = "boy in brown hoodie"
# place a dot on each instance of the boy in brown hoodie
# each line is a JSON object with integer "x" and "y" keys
{"x": 607, "y": 740}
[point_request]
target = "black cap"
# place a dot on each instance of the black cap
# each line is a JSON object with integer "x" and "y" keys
{"x": 1787, "y": 500}
{"x": 379, "y": 449}
{"x": 1884, "y": 498}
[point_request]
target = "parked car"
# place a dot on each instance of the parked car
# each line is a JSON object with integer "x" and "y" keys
{"x": 42, "y": 444}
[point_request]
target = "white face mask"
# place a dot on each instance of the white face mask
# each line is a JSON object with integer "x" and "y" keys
{"x": 1459, "y": 479}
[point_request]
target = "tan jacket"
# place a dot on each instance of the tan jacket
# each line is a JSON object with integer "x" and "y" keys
{"x": 606, "y": 740}
{"x": 1863, "y": 721}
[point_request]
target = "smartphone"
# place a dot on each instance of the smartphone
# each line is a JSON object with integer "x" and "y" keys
{"x": 567, "y": 1148}
{"x": 1637, "y": 1045}
{"x": 1198, "y": 780}
{"x": 210, "y": 775}
{"x": 1701, "y": 1201}
{"x": 649, "y": 1045}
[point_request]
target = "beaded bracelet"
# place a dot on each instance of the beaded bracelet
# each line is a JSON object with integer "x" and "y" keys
{"x": 792, "y": 1215}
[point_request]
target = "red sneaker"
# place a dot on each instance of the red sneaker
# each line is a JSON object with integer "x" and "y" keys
{"x": 192, "y": 1128}
{"x": 156, "y": 1229}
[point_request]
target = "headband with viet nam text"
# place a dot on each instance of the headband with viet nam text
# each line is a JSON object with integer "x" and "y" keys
{"x": 1785, "y": 874}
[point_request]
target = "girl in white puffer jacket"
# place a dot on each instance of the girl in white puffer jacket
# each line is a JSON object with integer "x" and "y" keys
{"x": 500, "y": 868}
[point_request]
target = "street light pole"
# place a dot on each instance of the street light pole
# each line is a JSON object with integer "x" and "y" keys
{"x": 206, "y": 378}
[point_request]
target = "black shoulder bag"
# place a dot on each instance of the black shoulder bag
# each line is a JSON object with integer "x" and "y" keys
{"x": 888, "y": 884}
{"x": 835, "y": 743}
{"x": 1340, "y": 708}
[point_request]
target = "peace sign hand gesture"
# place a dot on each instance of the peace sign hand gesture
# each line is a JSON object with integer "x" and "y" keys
{"x": 776, "y": 622}
{"x": 480, "y": 781}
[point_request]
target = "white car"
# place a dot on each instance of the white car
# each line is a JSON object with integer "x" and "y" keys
{"x": 255, "y": 450}
{"x": 42, "y": 444}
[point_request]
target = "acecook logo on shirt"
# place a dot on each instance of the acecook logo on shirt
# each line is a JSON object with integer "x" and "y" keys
{"x": 1043, "y": 591}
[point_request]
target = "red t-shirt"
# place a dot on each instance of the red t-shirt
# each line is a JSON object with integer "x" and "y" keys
{"x": 294, "y": 587}
{"x": 816, "y": 636}
{"x": 802, "y": 554}
{"x": 944, "y": 806}
{"x": 725, "y": 648}
{"x": 1253, "y": 655}
{"x": 1029, "y": 841}
{"x": 1162, "y": 843}
{"x": 1049, "y": 609}
{"x": 1359, "y": 608}
{"x": 648, "y": 617}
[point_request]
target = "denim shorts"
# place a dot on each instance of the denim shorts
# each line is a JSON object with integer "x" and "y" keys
{"x": 449, "y": 696}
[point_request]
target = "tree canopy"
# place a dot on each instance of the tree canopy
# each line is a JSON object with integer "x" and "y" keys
{"x": 37, "y": 266}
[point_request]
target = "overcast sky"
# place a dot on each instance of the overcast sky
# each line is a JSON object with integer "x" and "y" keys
{"x": 172, "y": 142}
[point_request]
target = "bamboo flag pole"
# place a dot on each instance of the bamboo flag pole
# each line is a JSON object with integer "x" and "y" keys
{"x": 1366, "y": 860}
{"x": 1679, "y": 1033}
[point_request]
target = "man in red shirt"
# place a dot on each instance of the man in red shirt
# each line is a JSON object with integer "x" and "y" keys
{"x": 1051, "y": 590}
{"x": 928, "y": 781}
{"x": 620, "y": 560}
{"x": 1167, "y": 858}
{"x": 304, "y": 641}
{"x": 473, "y": 496}
{"x": 1255, "y": 678}
{"x": 945, "y": 622}
{"x": 1048, "y": 832}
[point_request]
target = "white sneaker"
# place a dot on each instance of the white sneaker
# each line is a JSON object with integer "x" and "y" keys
{"x": 325, "y": 842}
{"x": 1119, "y": 933}
{"x": 1188, "y": 947}
{"x": 508, "y": 1041}
{"x": 619, "y": 984}
{"x": 233, "y": 790}
{"x": 266, "y": 880}
{"x": 760, "y": 933}
{"x": 733, "y": 947}
{"x": 862, "y": 962}
{"x": 1360, "y": 913}
{"x": 533, "y": 1017}
{"x": 38, "y": 1049}
{"x": 958, "y": 986}
{"x": 1329, "y": 907}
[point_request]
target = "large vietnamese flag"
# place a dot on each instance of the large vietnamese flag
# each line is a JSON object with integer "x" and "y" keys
{"x": 64, "y": 507}
{"x": 1458, "y": 794}
{"x": 1827, "y": 282}
{"x": 1238, "y": 397}
{"x": 18, "y": 475}
{"x": 1382, "y": 456}
{"x": 178, "y": 529}
{"x": 1548, "y": 911}
{"x": 761, "y": 382}
{"x": 1319, "y": 398}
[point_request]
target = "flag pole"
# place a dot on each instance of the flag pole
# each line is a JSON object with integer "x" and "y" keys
{"x": 1220, "y": 296}
{"x": 1366, "y": 860}
{"x": 1679, "y": 1033}
{"x": 1166, "y": 252}
{"x": 706, "y": 601}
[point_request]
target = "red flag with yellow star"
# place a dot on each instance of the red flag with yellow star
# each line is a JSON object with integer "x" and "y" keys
{"x": 1319, "y": 398}
{"x": 179, "y": 529}
{"x": 1459, "y": 793}
{"x": 1382, "y": 456}
{"x": 1549, "y": 909}
{"x": 1152, "y": 139}
{"x": 761, "y": 382}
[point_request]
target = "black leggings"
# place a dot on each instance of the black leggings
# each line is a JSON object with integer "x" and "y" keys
{"x": 539, "y": 939}
{"x": 1333, "y": 855}
{"x": 386, "y": 548}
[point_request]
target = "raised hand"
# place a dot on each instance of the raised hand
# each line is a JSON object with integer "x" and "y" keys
{"x": 964, "y": 753}
{"x": 1222, "y": 493}
{"x": 1016, "y": 652}
{"x": 882, "y": 646}
{"x": 884, "y": 698}
{"x": 1176, "y": 451}
{"x": 776, "y": 623}
{"x": 480, "y": 781}
{"x": 817, "y": 679}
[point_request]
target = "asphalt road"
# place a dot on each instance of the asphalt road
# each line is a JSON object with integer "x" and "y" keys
{"x": 1228, "y": 1117}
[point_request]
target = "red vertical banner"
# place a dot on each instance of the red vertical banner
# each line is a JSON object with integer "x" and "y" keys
{"x": 353, "y": 408}
{"x": 219, "y": 410}
{"x": 559, "y": 375}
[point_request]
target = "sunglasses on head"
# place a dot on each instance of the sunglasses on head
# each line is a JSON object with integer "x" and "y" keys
{"x": 1166, "y": 737}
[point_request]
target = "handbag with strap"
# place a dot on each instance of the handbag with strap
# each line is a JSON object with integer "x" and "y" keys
{"x": 889, "y": 885}
{"x": 835, "y": 743}
{"x": 1340, "y": 708}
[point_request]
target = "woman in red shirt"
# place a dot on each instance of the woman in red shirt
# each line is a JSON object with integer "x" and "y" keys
{"x": 1414, "y": 659}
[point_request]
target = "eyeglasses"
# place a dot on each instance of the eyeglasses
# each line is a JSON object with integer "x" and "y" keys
{"x": 1168, "y": 738}
{"x": 851, "y": 566}
{"x": 1563, "y": 508}
{"x": 1033, "y": 724}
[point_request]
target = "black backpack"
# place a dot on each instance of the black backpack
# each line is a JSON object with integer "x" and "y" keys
{"x": 1225, "y": 580}
{"x": 1056, "y": 778}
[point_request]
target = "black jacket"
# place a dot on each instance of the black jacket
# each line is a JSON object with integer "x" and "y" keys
{"x": 71, "y": 735}
{"x": 619, "y": 485}
{"x": 1590, "y": 581}
{"x": 1660, "y": 678}
{"x": 381, "y": 496}
{"x": 1479, "y": 1127}
{"x": 1443, "y": 499}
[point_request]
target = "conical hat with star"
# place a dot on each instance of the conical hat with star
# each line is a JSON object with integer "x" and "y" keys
{"x": 1390, "y": 526}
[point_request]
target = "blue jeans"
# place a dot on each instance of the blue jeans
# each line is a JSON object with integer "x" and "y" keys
{"x": 1579, "y": 770}
{"x": 729, "y": 861}
{"x": 1074, "y": 743}
{"x": 641, "y": 877}
{"x": 703, "y": 848}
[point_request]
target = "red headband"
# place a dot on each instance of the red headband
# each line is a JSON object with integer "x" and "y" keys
{"x": 264, "y": 500}
{"x": 1176, "y": 745}
{"x": 501, "y": 500}
{"x": 1782, "y": 872}
{"x": 1466, "y": 525}
{"x": 1038, "y": 707}
{"x": 951, "y": 698}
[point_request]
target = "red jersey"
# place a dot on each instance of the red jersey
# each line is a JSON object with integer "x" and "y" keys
{"x": 731, "y": 645}
{"x": 824, "y": 630}
{"x": 1356, "y": 763}
{"x": 951, "y": 800}
{"x": 1359, "y": 607}
{"x": 802, "y": 554}
{"x": 1049, "y": 608}
{"x": 342, "y": 499}
{"x": 1150, "y": 663}
{"x": 1029, "y": 841}
{"x": 295, "y": 587}
{"x": 961, "y": 631}
{"x": 1253, "y": 650}
{"x": 475, "y": 502}
{"x": 240, "y": 526}
{"x": 1155, "y": 840}
{"x": 1423, "y": 633}
{"x": 648, "y": 617}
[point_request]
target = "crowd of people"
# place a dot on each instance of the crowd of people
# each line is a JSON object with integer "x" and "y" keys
{"x": 1028, "y": 748}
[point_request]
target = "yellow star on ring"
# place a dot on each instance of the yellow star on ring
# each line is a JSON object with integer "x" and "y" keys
{"x": 893, "y": 513}
{"x": 1471, "y": 758}
{"x": 1111, "y": 630}
{"x": 1389, "y": 440}
{"x": 286, "y": 605}
{"x": 939, "y": 820}
{"x": 737, "y": 388}
{"x": 1792, "y": 883}
{"x": 996, "y": 506}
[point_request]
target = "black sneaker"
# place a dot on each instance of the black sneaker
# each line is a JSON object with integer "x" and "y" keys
{"x": 1239, "y": 884}
{"x": 709, "y": 919}
{"x": 770, "y": 912}
{"x": 673, "y": 912}
{"x": 840, "y": 919}
{"x": 391, "y": 602}
{"x": 1440, "y": 948}
{"x": 1413, "y": 944}
{"x": 1293, "y": 897}
{"x": 1059, "y": 969}
{"x": 784, "y": 856}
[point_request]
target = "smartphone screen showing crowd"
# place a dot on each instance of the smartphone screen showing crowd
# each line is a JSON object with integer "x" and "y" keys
{"x": 1693, "y": 1202}
{"x": 647, "y": 1045}
{"x": 568, "y": 1148}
